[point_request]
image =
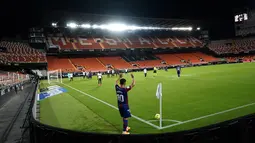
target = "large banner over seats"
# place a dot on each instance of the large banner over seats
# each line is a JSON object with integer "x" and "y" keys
{"x": 52, "y": 91}
{"x": 76, "y": 43}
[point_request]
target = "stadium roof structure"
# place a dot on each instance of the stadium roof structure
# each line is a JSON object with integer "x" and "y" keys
{"x": 62, "y": 18}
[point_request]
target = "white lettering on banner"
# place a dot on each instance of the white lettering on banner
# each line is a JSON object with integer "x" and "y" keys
{"x": 162, "y": 42}
{"x": 83, "y": 41}
{"x": 59, "y": 38}
{"x": 110, "y": 41}
{"x": 170, "y": 40}
{"x": 125, "y": 40}
{"x": 181, "y": 41}
{"x": 195, "y": 40}
{"x": 118, "y": 40}
{"x": 98, "y": 39}
{"x": 143, "y": 40}
{"x": 63, "y": 40}
{"x": 50, "y": 41}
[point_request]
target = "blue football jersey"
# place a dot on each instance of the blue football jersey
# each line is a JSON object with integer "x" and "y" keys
{"x": 122, "y": 95}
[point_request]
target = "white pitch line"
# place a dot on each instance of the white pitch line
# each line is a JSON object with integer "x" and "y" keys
{"x": 138, "y": 118}
{"x": 206, "y": 116}
{"x": 166, "y": 120}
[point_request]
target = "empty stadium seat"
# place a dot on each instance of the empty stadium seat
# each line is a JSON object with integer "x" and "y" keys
{"x": 55, "y": 63}
{"x": 116, "y": 62}
{"x": 21, "y": 53}
{"x": 90, "y": 64}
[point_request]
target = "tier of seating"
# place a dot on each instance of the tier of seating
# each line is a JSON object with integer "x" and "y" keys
{"x": 9, "y": 78}
{"x": 96, "y": 64}
{"x": 149, "y": 63}
{"x": 115, "y": 62}
{"x": 21, "y": 53}
{"x": 55, "y": 63}
{"x": 122, "y": 42}
{"x": 233, "y": 46}
{"x": 90, "y": 64}
{"x": 244, "y": 58}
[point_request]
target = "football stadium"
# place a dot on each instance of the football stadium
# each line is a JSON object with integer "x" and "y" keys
{"x": 104, "y": 78}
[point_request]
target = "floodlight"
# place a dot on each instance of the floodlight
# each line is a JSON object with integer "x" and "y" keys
{"x": 190, "y": 28}
{"x": 72, "y": 25}
{"x": 103, "y": 26}
{"x": 95, "y": 26}
{"x": 198, "y": 28}
{"x": 117, "y": 27}
{"x": 86, "y": 26}
{"x": 54, "y": 24}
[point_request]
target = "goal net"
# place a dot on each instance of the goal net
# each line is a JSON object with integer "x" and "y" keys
{"x": 54, "y": 76}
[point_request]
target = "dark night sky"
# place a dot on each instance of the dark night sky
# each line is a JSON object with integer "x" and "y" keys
{"x": 19, "y": 15}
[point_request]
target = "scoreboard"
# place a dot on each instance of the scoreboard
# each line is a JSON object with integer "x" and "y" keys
{"x": 245, "y": 23}
{"x": 241, "y": 17}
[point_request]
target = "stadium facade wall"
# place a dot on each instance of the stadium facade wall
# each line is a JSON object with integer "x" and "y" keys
{"x": 240, "y": 130}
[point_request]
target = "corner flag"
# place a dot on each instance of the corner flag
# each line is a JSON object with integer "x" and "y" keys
{"x": 159, "y": 91}
{"x": 159, "y": 96}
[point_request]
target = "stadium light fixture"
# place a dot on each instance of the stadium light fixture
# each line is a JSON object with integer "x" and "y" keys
{"x": 86, "y": 26}
{"x": 72, "y": 25}
{"x": 95, "y": 26}
{"x": 117, "y": 27}
{"x": 198, "y": 28}
{"x": 54, "y": 24}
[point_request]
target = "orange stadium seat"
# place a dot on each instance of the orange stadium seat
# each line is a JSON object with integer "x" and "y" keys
{"x": 189, "y": 57}
{"x": 232, "y": 46}
{"x": 171, "y": 59}
{"x": 21, "y": 52}
{"x": 149, "y": 63}
{"x": 90, "y": 64}
{"x": 55, "y": 63}
{"x": 116, "y": 62}
{"x": 206, "y": 58}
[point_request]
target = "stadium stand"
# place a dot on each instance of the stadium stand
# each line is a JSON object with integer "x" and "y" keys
{"x": 189, "y": 57}
{"x": 89, "y": 64}
{"x": 88, "y": 42}
{"x": 149, "y": 63}
{"x": 18, "y": 52}
{"x": 10, "y": 78}
{"x": 248, "y": 58}
{"x": 171, "y": 59}
{"x": 232, "y": 46}
{"x": 205, "y": 57}
{"x": 55, "y": 63}
{"x": 115, "y": 62}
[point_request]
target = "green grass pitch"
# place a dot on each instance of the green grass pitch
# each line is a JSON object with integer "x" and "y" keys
{"x": 202, "y": 96}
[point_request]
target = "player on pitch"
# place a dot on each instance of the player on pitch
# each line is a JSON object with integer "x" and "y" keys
{"x": 178, "y": 70}
{"x": 122, "y": 95}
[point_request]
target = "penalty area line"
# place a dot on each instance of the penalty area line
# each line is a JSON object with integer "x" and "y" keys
{"x": 136, "y": 117}
{"x": 206, "y": 116}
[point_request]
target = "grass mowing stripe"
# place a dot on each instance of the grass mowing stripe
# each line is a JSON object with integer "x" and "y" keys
{"x": 94, "y": 112}
{"x": 206, "y": 116}
{"x": 140, "y": 119}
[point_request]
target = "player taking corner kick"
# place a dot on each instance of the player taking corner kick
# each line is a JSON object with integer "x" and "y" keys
{"x": 122, "y": 97}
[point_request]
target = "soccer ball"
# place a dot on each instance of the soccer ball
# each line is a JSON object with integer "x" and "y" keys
{"x": 157, "y": 116}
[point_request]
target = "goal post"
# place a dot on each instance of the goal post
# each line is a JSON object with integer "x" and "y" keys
{"x": 54, "y": 76}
